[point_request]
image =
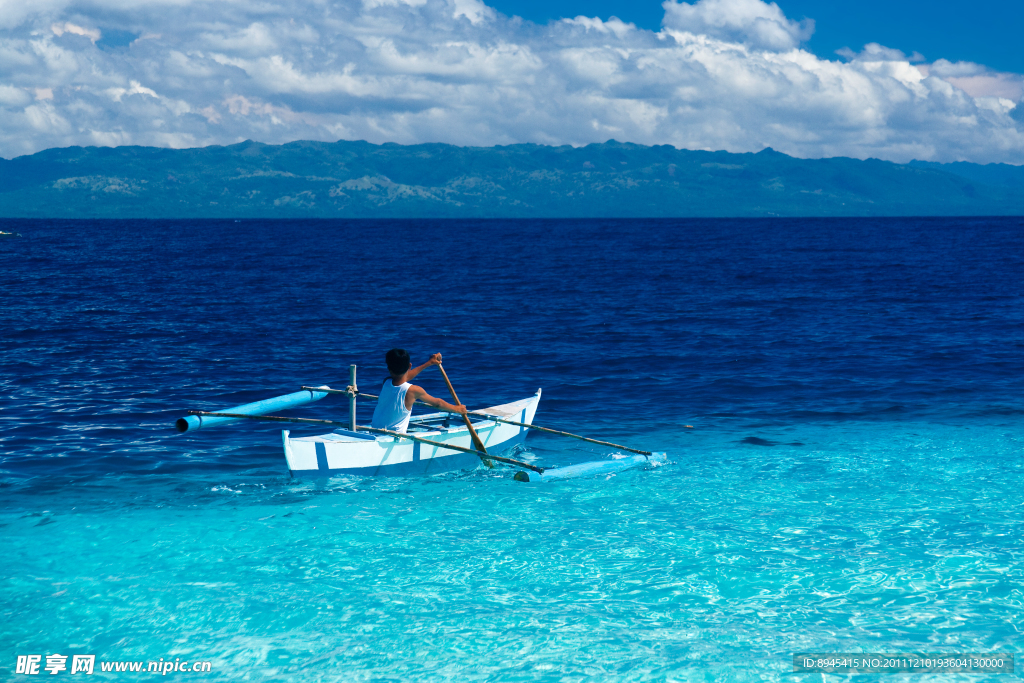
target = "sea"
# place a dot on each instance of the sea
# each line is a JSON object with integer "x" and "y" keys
{"x": 841, "y": 402}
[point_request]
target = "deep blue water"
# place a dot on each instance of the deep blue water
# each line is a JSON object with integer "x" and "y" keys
{"x": 852, "y": 482}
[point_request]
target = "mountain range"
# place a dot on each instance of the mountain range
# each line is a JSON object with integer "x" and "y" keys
{"x": 355, "y": 179}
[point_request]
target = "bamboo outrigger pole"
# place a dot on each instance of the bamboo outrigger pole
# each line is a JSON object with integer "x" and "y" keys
{"x": 513, "y": 422}
{"x": 352, "y": 396}
{"x": 560, "y": 433}
{"x": 308, "y": 420}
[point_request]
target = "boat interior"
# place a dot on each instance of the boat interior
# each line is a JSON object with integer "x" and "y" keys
{"x": 433, "y": 422}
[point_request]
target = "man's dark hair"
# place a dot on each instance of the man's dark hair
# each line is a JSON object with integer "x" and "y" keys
{"x": 398, "y": 361}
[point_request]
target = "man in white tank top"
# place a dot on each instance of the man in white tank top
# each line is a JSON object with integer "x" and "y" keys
{"x": 394, "y": 407}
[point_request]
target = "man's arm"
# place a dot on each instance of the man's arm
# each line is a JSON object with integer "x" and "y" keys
{"x": 416, "y": 393}
{"x": 434, "y": 360}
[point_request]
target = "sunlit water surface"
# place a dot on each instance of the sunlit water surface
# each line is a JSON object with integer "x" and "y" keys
{"x": 852, "y": 482}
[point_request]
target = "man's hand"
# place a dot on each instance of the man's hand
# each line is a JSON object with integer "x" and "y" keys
{"x": 460, "y": 409}
{"x": 411, "y": 374}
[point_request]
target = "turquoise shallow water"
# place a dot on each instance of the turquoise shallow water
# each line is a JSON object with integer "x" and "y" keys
{"x": 717, "y": 566}
{"x": 853, "y": 482}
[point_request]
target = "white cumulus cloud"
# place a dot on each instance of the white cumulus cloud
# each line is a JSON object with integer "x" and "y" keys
{"x": 721, "y": 74}
{"x": 977, "y": 80}
{"x": 756, "y": 23}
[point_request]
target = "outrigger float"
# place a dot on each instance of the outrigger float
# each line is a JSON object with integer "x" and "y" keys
{"x": 432, "y": 445}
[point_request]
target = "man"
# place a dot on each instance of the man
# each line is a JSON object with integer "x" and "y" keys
{"x": 394, "y": 407}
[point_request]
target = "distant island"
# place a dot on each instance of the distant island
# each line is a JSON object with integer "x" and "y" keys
{"x": 362, "y": 180}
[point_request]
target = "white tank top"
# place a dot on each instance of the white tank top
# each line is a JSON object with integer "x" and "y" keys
{"x": 391, "y": 412}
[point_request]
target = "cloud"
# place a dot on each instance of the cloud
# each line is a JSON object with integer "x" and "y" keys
{"x": 721, "y": 74}
{"x": 752, "y": 22}
{"x": 67, "y": 27}
{"x": 873, "y": 52}
{"x": 976, "y": 80}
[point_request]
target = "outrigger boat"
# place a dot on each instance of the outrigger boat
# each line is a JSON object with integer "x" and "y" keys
{"x": 345, "y": 451}
{"x": 434, "y": 443}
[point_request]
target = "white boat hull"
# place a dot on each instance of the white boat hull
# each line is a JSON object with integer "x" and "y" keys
{"x": 361, "y": 453}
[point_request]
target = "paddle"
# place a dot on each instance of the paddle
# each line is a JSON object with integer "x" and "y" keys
{"x": 469, "y": 425}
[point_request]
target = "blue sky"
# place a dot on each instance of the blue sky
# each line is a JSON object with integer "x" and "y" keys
{"x": 989, "y": 32}
{"x": 896, "y": 81}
